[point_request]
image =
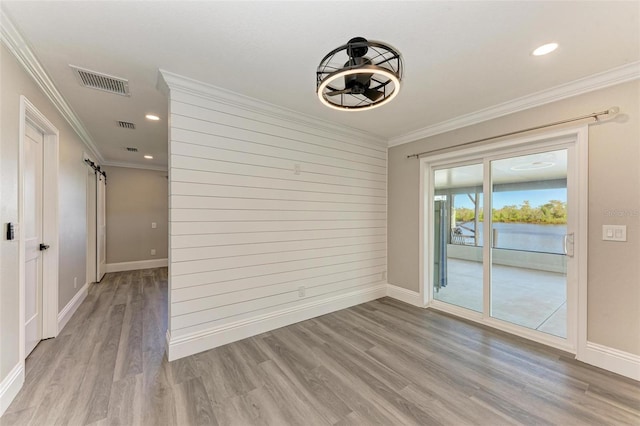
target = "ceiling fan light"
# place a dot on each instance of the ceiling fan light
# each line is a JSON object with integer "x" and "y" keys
{"x": 327, "y": 81}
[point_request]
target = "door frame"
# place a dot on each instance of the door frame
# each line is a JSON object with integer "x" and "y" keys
{"x": 92, "y": 256}
{"x": 50, "y": 170}
{"x": 577, "y": 296}
{"x": 101, "y": 213}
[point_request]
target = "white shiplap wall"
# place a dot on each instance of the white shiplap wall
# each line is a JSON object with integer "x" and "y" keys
{"x": 266, "y": 205}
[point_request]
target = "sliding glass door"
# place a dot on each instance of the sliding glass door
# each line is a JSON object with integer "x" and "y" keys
{"x": 528, "y": 234}
{"x": 500, "y": 238}
{"x": 457, "y": 234}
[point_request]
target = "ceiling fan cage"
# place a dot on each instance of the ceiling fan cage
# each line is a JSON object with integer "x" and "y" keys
{"x": 359, "y": 75}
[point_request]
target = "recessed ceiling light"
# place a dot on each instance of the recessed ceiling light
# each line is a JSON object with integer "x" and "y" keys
{"x": 545, "y": 48}
{"x": 152, "y": 117}
{"x": 149, "y": 157}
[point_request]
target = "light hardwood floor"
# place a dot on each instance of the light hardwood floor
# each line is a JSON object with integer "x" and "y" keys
{"x": 383, "y": 362}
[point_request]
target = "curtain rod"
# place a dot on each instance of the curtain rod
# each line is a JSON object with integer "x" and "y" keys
{"x": 611, "y": 111}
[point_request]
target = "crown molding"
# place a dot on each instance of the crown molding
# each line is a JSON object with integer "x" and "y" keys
{"x": 135, "y": 166}
{"x": 18, "y": 46}
{"x": 593, "y": 82}
{"x": 171, "y": 81}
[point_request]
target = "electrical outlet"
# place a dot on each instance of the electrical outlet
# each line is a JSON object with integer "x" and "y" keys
{"x": 75, "y": 282}
{"x": 296, "y": 169}
{"x": 153, "y": 252}
{"x": 301, "y": 291}
{"x": 154, "y": 225}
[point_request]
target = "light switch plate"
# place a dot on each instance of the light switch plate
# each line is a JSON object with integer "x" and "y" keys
{"x": 154, "y": 225}
{"x": 614, "y": 232}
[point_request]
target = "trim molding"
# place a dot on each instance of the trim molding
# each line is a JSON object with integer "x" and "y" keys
{"x": 404, "y": 295}
{"x": 135, "y": 166}
{"x": 18, "y": 46}
{"x": 167, "y": 79}
{"x": 593, "y": 82}
{"x": 10, "y": 386}
{"x": 67, "y": 312}
{"x": 139, "y": 264}
{"x": 182, "y": 346}
{"x": 617, "y": 361}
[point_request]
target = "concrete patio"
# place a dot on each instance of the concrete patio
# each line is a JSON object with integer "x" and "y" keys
{"x": 530, "y": 298}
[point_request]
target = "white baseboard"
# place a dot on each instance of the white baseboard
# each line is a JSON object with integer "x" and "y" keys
{"x": 407, "y": 296}
{"x": 67, "y": 312}
{"x": 614, "y": 360}
{"x": 179, "y": 347}
{"x": 10, "y": 386}
{"x": 140, "y": 264}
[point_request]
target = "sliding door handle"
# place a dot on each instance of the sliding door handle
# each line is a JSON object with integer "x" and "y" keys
{"x": 43, "y": 247}
{"x": 568, "y": 240}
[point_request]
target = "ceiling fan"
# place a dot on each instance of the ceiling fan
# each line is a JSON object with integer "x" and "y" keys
{"x": 360, "y": 82}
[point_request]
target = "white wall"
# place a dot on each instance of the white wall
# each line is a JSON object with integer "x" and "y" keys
{"x": 247, "y": 230}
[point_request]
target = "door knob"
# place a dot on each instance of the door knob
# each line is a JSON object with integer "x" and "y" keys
{"x": 43, "y": 247}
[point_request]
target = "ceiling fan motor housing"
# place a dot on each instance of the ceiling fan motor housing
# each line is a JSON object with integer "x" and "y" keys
{"x": 357, "y": 47}
{"x": 358, "y": 83}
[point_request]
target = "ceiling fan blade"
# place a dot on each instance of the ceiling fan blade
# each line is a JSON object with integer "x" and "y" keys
{"x": 373, "y": 94}
{"x": 339, "y": 92}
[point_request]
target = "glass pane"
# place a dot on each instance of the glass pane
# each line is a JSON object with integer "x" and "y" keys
{"x": 529, "y": 224}
{"x": 457, "y": 257}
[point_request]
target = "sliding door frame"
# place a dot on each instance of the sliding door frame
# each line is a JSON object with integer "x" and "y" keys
{"x": 575, "y": 140}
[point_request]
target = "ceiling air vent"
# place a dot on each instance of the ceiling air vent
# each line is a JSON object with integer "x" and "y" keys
{"x": 132, "y": 149}
{"x": 126, "y": 125}
{"x": 100, "y": 81}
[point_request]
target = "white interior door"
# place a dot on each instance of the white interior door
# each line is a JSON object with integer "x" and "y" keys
{"x": 32, "y": 193}
{"x": 101, "y": 227}
{"x": 92, "y": 262}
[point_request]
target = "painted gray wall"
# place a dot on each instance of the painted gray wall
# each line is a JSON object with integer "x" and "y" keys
{"x": 614, "y": 184}
{"x": 14, "y": 82}
{"x": 135, "y": 198}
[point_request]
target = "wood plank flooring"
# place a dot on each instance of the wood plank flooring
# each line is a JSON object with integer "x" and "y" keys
{"x": 382, "y": 362}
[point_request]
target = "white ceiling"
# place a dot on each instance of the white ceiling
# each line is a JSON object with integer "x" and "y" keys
{"x": 460, "y": 57}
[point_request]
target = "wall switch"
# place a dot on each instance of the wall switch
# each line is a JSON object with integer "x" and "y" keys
{"x": 12, "y": 231}
{"x": 75, "y": 282}
{"x": 301, "y": 291}
{"x": 153, "y": 252}
{"x": 154, "y": 225}
{"x": 614, "y": 232}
